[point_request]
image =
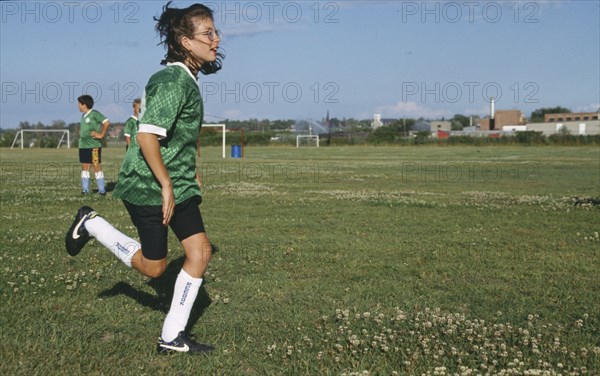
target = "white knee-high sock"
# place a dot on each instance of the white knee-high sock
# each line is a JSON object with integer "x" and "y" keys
{"x": 100, "y": 181}
{"x": 118, "y": 243}
{"x": 85, "y": 181}
{"x": 184, "y": 296}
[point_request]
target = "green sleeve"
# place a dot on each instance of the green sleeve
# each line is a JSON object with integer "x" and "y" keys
{"x": 98, "y": 119}
{"x": 163, "y": 102}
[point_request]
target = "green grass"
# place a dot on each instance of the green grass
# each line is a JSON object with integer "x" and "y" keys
{"x": 341, "y": 260}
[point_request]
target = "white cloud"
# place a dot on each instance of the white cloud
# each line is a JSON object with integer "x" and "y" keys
{"x": 363, "y": 115}
{"x": 481, "y": 111}
{"x": 250, "y": 23}
{"x": 115, "y": 113}
{"x": 248, "y": 30}
{"x": 588, "y": 108}
{"x": 232, "y": 114}
{"x": 411, "y": 110}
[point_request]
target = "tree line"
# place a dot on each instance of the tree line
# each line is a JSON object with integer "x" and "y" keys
{"x": 262, "y": 132}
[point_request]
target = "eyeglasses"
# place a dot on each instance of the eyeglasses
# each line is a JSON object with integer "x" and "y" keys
{"x": 211, "y": 34}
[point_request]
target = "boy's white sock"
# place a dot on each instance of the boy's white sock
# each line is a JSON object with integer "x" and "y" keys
{"x": 85, "y": 181}
{"x": 100, "y": 181}
{"x": 118, "y": 243}
{"x": 184, "y": 296}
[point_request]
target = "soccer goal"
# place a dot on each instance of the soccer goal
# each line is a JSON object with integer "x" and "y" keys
{"x": 223, "y": 133}
{"x": 307, "y": 140}
{"x": 42, "y": 138}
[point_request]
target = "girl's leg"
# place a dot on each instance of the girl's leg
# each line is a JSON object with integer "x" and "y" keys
{"x": 197, "y": 255}
{"x": 198, "y": 251}
{"x": 121, "y": 245}
{"x": 125, "y": 248}
{"x": 149, "y": 268}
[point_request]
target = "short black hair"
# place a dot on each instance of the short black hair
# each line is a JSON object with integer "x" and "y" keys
{"x": 87, "y": 100}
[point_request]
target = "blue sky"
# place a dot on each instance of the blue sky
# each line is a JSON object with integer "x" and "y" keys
{"x": 300, "y": 59}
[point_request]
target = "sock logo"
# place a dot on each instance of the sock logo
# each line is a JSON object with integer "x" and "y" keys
{"x": 186, "y": 290}
{"x": 122, "y": 249}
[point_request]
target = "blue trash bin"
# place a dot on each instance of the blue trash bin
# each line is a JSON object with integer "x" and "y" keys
{"x": 236, "y": 151}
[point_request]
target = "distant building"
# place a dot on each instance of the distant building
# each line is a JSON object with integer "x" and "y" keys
{"x": 581, "y": 128}
{"x": 378, "y": 121}
{"x": 502, "y": 118}
{"x": 582, "y": 124}
{"x": 566, "y": 117}
{"x": 422, "y": 125}
{"x": 441, "y": 126}
{"x": 327, "y": 122}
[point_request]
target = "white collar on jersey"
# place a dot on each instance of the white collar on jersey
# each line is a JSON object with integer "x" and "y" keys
{"x": 184, "y": 67}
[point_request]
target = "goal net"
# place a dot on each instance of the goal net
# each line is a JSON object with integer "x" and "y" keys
{"x": 42, "y": 138}
{"x": 307, "y": 140}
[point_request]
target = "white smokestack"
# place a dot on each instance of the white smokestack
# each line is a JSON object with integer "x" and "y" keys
{"x": 492, "y": 108}
{"x": 377, "y": 121}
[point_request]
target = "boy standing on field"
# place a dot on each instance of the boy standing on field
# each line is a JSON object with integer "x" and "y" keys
{"x": 131, "y": 125}
{"x": 92, "y": 129}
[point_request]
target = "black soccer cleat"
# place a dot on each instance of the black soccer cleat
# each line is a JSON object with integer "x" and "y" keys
{"x": 182, "y": 343}
{"x": 78, "y": 235}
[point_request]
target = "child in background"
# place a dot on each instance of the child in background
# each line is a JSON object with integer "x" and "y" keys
{"x": 131, "y": 125}
{"x": 92, "y": 129}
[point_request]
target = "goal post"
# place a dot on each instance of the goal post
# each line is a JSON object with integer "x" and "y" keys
{"x": 308, "y": 137}
{"x": 223, "y": 135}
{"x": 64, "y": 132}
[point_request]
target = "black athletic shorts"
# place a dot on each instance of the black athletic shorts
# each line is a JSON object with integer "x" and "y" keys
{"x": 93, "y": 156}
{"x": 186, "y": 221}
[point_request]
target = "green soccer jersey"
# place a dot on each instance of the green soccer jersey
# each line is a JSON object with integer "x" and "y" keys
{"x": 131, "y": 127}
{"x": 172, "y": 109}
{"x": 90, "y": 121}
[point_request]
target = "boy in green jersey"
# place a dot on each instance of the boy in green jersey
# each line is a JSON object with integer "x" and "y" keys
{"x": 93, "y": 127}
{"x": 158, "y": 181}
{"x": 131, "y": 125}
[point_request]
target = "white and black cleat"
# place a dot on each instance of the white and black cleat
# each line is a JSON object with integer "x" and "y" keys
{"x": 182, "y": 343}
{"x": 77, "y": 235}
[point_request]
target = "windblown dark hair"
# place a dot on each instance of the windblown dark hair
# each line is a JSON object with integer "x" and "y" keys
{"x": 175, "y": 23}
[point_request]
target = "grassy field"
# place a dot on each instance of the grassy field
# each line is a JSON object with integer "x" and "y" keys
{"x": 335, "y": 261}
